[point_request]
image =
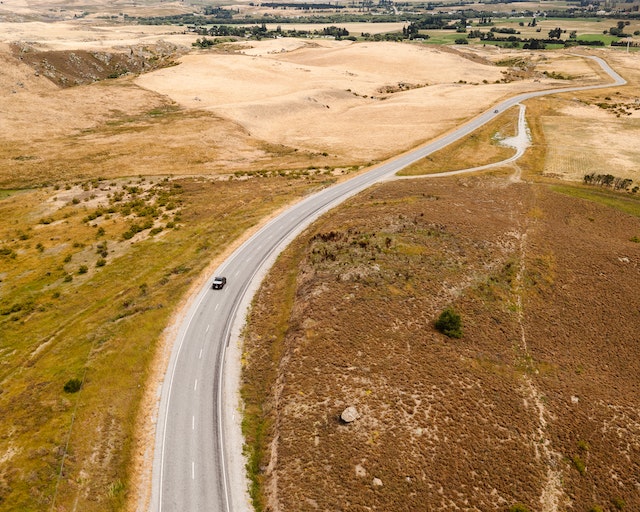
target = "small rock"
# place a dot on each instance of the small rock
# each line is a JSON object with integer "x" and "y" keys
{"x": 377, "y": 482}
{"x": 575, "y": 399}
{"x": 349, "y": 414}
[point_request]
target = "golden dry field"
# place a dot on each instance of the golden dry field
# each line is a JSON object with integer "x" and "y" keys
{"x": 596, "y": 131}
{"x": 131, "y": 164}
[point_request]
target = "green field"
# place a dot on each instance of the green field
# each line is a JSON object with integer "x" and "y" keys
{"x": 8, "y": 193}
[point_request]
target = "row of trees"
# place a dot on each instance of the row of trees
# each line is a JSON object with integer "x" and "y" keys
{"x": 610, "y": 181}
{"x": 532, "y": 43}
{"x": 259, "y": 32}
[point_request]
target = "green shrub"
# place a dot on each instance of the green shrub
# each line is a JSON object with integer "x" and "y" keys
{"x": 583, "y": 446}
{"x": 72, "y": 386}
{"x": 618, "y": 503}
{"x": 83, "y": 269}
{"x": 579, "y": 464}
{"x": 449, "y": 323}
{"x": 5, "y": 251}
{"x": 518, "y": 507}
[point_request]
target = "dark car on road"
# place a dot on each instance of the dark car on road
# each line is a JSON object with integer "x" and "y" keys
{"x": 218, "y": 283}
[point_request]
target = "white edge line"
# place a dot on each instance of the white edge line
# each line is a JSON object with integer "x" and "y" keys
{"x": 166, "y": 416}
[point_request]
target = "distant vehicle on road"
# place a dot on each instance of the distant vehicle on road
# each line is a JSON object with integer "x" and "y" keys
{"x": 496, "y": 111}
{"x": 218, "y": 283}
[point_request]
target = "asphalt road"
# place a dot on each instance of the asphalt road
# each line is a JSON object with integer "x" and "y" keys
{"x": 190, "y": 467}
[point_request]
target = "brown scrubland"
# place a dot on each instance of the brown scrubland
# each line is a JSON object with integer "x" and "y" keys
{"x": 535, "y": 404}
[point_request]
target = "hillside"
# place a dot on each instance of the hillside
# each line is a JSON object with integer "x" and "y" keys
{"x": 536, "y": 404}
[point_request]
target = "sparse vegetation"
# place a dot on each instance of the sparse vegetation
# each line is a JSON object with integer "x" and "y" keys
{"x": 95, "y": 323}
{"x": 583, "y": 446}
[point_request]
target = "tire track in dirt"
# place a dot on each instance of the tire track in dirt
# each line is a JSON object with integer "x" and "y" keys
{"x": 552, "y": 492}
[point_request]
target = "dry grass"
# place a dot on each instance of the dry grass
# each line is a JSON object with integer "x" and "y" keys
{"x": 480, "y": 148}
{"x": 183, "y": 143}
{"x": 593, "y": 131}
{"x": 101, "y": 326}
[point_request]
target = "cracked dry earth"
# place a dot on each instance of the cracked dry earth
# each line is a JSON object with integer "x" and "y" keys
{"x": 537, "y": 404}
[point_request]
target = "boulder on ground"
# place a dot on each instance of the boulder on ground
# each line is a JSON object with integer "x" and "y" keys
{"x": 349, "y": 414}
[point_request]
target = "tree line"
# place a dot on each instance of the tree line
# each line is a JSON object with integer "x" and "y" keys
{"x": 610, "y": 181}
{"x": 260, "y": 32}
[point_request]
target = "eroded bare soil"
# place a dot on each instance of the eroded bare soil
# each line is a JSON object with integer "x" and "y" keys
{"x": 536, "y": 404}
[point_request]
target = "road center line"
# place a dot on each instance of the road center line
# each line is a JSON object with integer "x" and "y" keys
{"x": 209, "y": 325}
{"x": 195, "y": 385}
{"x": 217, "y": 306}
{"x": 193, "y": 422}
{"x": 200, "y": 354}
{"x": 193, "y": 470}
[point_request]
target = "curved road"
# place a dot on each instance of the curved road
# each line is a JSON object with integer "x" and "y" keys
{"x": 190, "y": 467}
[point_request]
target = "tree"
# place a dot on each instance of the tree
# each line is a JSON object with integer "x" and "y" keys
{"x": 555, "y": 33}
{"x": 449, "y": 323}
{"x": 534, "y": 44}
{"x": 72, "y": 386}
